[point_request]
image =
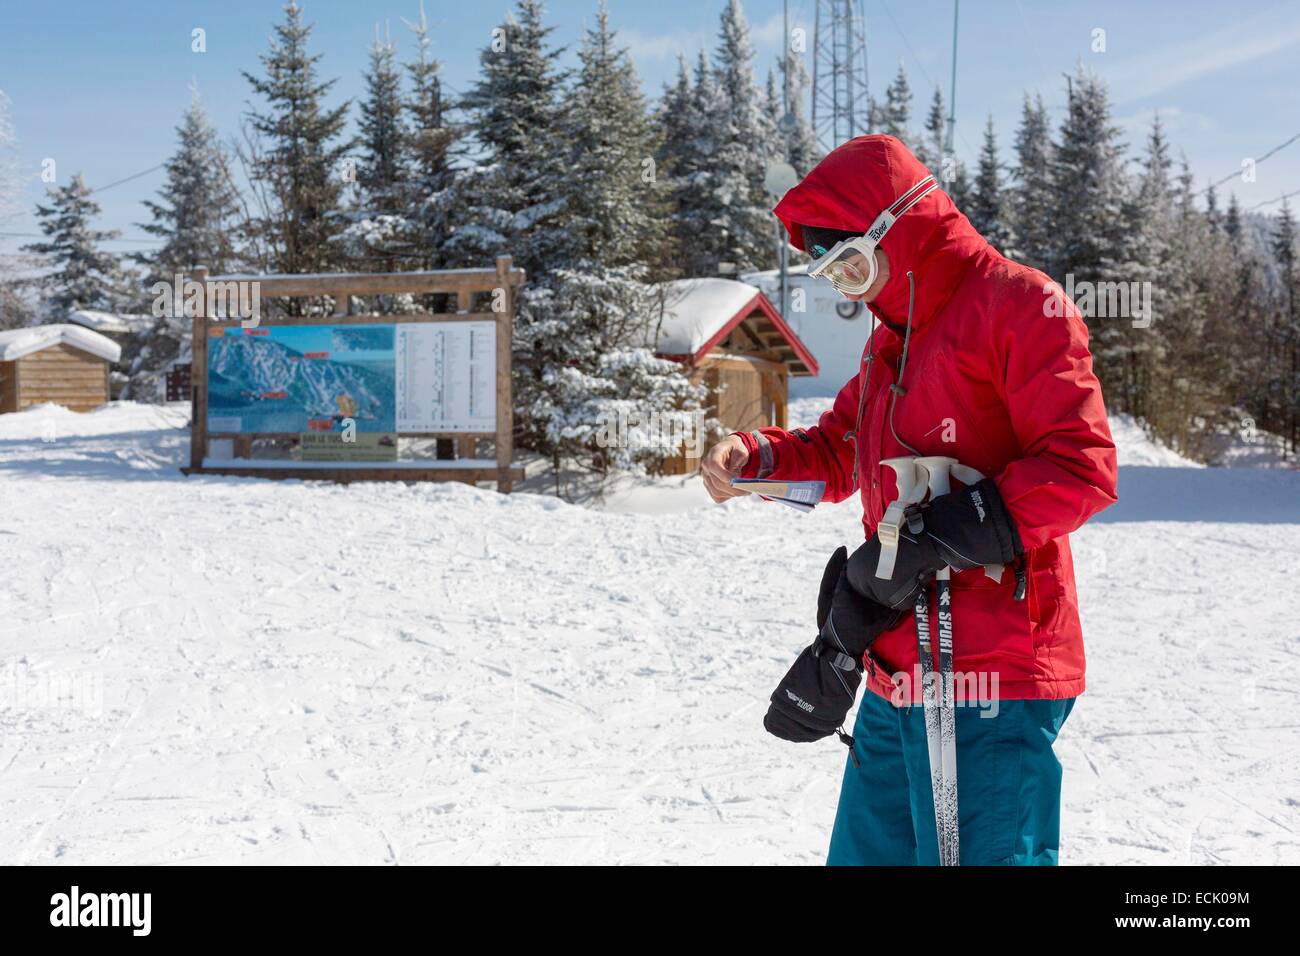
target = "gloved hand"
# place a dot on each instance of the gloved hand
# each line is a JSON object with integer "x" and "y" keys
{"x": 816, "y": 693}
{"x": 962, "y": 529}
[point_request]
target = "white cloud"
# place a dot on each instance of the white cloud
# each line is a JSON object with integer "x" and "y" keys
{"x": 1147, "y": 74}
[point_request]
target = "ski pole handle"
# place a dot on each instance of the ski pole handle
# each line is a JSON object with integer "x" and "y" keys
{"x": 911, "y": 490}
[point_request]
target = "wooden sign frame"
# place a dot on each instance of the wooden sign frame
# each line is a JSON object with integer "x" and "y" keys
{"x": 462, "y": 284}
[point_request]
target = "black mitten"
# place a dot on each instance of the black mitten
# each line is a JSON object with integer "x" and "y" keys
{"x": 962, "y": 529}
{"x": 815, "y": 695}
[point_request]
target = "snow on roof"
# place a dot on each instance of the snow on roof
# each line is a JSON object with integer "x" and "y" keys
{"x": 770, "y": 276}
{"x": 695, "y": 310}
{"x": 107, "y": 321}
{"x": 17, "y": 343}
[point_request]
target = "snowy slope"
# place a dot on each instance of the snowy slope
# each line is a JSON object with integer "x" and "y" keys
{"x": 219, "y": 670}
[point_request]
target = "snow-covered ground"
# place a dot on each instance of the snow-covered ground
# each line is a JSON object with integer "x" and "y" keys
{"x": 221, "y": 670}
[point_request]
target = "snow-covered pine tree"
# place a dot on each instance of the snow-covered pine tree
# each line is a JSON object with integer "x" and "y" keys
{"x": 508, "y": 203}
{"x": 383, "y": 131}
{"x": 1212, "y": 212}
{"x": 739, "y": 232}
{"x": 1032, "y": 197}
{"x": 16, "y": 310}
{"x": 677, "y": 160}
{"x": 896, "y": 112}
{"x": 929, "y": 147}
{"x": 378, "y": 237}
{"x": 958, "y": 185}
{"x": 612, "y": 197}
{"x": 1284, "y": 386}
{"x": 82, "y": 275}
{"x": 1126, "y": 357}
{"x": 194, "y": 215}
{"x": 1232, "y": 219}
{"x": 296, "y": 163}
{"x": 690, "y": 144}
{"x": 1190, "y": 397}
{"x": 986, "y": 207}
{"x": 1086, "y": 216}
{"x": 432, "y": 146}
{"x": 585, "y": 322}
{"x": 801, "y": 149}
{"x": 10, "y": 177}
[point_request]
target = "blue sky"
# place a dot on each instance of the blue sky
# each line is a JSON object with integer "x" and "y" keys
{"x": 100, "y": 86}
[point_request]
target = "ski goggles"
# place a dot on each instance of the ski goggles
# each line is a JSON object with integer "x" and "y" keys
{"x": 850, "y": 266}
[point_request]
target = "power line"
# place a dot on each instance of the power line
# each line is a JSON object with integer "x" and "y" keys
{"x": 1233, "y": 175}
{"x": 1268, "y": 202}
{"x": 100, "y": 189}
{"x": 919, "y": 65}
{"x": 41, "y": 235}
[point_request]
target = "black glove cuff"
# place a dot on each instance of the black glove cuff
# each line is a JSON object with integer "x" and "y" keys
{"x": 830, "y": 648}
{"x": 972, "y": 526}
{"x": 1005, "y": 529}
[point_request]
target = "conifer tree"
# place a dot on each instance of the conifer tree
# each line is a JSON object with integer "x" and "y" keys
{"x": 1232, "y": 219}
{"x": 82, "y": 274}
{"x": 896, "y": 111}
{"x": 1032, "y": 198}
{"x": 197, "y": 205}
{"x": 1088, "y": 183}
{"x": 383, "y": 131}
{"x": 741, "y": 232}
{"x": 515, "y": 107}
{"x": 801, "y": 149}
{"x": 1284, "y": 383}
{"x": 930, "y": 144}
{"x": 297, "y": 160}
{"x": 433, "y": 143}
{"x": 986, "y": 206}
{"x": 586, "y": 323}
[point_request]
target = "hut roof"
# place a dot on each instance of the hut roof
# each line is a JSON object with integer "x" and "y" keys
{"x": 109, "y": 322}
{"x": 701, "y": 313}
{"x": 17, "y": 343}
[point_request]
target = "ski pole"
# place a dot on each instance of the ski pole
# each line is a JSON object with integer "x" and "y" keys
{"x": 912, "y": 479}
{"x": 937, "y": 470}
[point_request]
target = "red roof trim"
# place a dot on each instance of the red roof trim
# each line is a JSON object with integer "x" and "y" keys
{"x": 768, "y": 310}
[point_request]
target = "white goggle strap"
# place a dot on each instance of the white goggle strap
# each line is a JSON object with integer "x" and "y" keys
{"x": 899, "y": 206}
{"x": 885, "y": 220}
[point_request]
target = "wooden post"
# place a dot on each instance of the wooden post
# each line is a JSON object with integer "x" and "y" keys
{"x": 505, "y": 396}
{"x": 198, "y": 374}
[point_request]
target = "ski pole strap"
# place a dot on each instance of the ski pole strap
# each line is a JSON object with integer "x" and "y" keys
{"x": 837, "y": 658}
{"x": 887, "y": 531}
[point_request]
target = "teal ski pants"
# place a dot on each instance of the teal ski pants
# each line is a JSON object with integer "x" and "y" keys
{"x": 1008, "y": 787}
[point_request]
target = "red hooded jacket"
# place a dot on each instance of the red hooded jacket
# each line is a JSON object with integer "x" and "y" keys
{"x": 998, "y": 376}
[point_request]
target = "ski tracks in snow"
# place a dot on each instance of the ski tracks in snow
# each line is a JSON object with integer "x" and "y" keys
{"x": 223, "y": 670}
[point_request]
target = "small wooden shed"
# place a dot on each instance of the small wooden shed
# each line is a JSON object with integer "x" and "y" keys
{"x": 63, "y": 364}
{"x": 738, "y": 345}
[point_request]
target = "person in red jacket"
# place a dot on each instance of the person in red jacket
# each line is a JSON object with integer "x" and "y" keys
{"x": 977, "y": 358}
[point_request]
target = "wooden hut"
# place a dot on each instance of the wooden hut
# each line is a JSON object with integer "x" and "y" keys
{"x": 63, "y": 364}
{"x": 738, "y": 345}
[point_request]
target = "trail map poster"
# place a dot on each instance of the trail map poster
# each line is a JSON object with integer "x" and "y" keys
{"x": 391, "y": 378}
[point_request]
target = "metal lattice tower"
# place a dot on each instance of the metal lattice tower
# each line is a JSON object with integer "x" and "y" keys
{"x": 840, "y": 105}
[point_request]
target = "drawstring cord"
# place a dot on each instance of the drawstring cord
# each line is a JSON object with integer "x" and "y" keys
{"x": 897, "y": 389}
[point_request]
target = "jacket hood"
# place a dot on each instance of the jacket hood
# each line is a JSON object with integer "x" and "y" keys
{"x": 852, "y": 185}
